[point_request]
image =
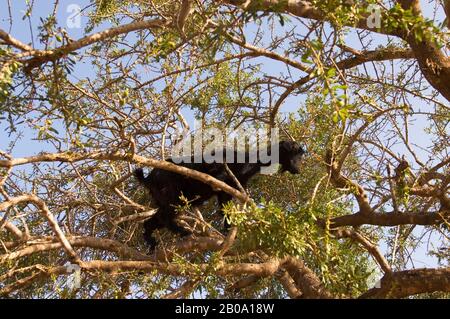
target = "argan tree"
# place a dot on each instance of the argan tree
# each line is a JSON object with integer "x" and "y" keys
{"x": 86, "y": 99}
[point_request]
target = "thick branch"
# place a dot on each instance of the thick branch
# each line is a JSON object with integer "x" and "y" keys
{"x": 50, "y": 55}
{"x": 14, "y": 42}
{"x": 301, "y": 9}
{"x": 391, "y": 53}
{"x": 305, "y": 279}
{"x": 411, "y": 282}
{"x": 447, "y": 12}
{"x": 92, "y": 242}
{"x": 70, "y": 157}
{"x": 389, "y": 219}
{"x": 289, "y": 285}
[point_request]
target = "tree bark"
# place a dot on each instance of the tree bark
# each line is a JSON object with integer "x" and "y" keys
{"x": 411, "y": 282}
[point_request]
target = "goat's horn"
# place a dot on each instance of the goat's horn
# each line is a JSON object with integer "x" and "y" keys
{"x": 287, "y": 133}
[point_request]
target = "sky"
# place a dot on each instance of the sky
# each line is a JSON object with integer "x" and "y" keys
{"x": 67, "y": 18}
{"x": 21, "y": 30}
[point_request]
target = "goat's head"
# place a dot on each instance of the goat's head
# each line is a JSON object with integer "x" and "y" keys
{"x": 290, "y": 156}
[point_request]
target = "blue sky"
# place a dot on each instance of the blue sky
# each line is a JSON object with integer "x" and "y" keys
{"x": 21, "y": 30}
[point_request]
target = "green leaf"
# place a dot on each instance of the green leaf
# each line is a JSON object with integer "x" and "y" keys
{"x": 331, "y": 73}
{"x": 51, "y": 129}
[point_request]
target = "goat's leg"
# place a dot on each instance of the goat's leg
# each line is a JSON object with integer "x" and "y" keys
{"x": 150, "y": 225}
{"x": 176, "y": 228}
{"x": 172, "y": 224}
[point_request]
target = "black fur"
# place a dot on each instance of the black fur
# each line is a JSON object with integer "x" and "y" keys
{"x": 166, "y": 187}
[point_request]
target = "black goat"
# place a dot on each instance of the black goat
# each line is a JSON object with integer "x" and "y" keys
{"x": 166, "y": 187}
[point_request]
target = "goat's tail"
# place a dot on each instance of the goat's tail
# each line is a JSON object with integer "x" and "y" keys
{"x": 139, "y": 174}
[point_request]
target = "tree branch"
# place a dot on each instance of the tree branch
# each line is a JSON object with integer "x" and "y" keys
{"x": 14, "y": 42}
{"x": 51, "y": 55}
{"x": 411, "y": 282}
{"x": 305, "y": 279}
{"x": 389, "y": 219}
{"x": 70, "y": 157}
{"x": 47, "y": 214}
{"x": 432, "y": 61}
